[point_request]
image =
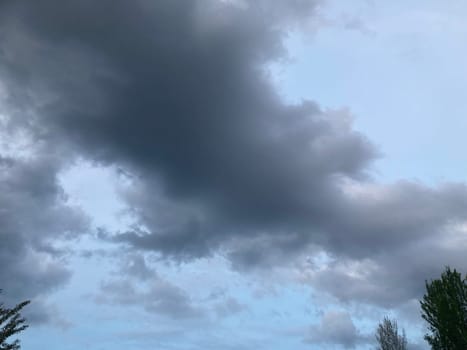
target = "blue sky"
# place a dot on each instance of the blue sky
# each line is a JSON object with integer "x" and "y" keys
{"x": 398, "y": 67}
{"x": 146, "y": 145}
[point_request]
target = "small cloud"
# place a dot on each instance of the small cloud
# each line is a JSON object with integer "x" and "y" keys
{"x": 229, "y": 307}
{"x": 157, "y": 297}
{"x": 336, "y": 328}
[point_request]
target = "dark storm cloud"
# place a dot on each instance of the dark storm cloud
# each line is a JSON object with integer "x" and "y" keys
{"x": 177, "y": 95}
{"x": 33, "y": 215}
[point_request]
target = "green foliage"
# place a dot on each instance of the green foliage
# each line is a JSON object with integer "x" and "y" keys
{"x": 11, "y": 323}
{"x": 388, "y": 337}
{"x": 444, "y": 308}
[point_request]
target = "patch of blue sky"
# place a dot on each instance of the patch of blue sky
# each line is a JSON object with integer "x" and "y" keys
{"x": 399, "y": 68}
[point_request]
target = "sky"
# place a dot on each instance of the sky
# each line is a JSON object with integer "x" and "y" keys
{"x": 229, "y": 174}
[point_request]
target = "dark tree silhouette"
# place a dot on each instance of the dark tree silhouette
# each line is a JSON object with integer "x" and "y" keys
{"x": 11, "y": 323}
{"x": 444, "y": 307}
{"x": 388, "y": 337}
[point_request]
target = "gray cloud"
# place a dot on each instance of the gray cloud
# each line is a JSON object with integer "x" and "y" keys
{"x": 33, "y": 215}
{"x": 228, "y": 307}
{"x": 386, "y": 217}
{"x": 336, "y": 328}
{"x": 138, "y": 284}
{"x": 408, "y": 237}
{"x": 136, "y": 267}
{"x": 159, "y": 297}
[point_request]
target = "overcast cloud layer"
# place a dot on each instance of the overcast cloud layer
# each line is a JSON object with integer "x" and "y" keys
{"x": 178, "y": 97}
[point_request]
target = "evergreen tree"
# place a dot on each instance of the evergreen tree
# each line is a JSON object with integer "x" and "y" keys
{"x": 444, "y": 308}
{"x": 11, "y": 323}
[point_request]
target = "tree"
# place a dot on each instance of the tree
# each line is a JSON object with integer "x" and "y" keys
{"x": 444, "y": 308}
{"x": 11, "y": 323}
{"x": 388, "y": 337}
